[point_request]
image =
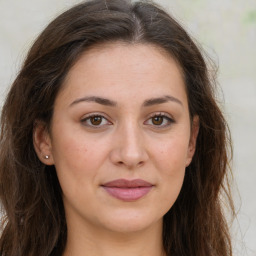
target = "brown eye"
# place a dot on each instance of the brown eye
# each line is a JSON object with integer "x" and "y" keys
{"x": 160, "y": 121}
{"x": 157, "y": 120}
{"x": 96, "y": 120}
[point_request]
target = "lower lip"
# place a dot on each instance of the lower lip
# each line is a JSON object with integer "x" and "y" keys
{"x": 128, "y": 194}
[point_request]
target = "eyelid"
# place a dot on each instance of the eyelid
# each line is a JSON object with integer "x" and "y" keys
{"x": 94, "y": 114}
{"x": 164, "y": 115}
{"x": 161, "y": 113}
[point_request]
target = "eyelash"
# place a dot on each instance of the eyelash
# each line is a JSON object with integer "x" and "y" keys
{"x": 166, "y": 118}
{"x": 93, "y": 115}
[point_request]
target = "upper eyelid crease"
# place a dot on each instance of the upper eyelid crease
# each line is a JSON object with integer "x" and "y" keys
{"x": 87, "y": 117}
{"x": 162, "y": 114}
{"x": 162, "y": 125}
{"x": 95, "y": 114}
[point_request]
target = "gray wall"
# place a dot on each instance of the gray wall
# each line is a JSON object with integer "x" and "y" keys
{"x": 227, "y": 31}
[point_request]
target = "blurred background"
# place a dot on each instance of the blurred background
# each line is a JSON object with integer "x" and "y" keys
{"x": 226, "y": 29}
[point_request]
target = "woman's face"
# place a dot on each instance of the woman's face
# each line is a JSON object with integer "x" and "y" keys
{"x": 120, "y": 137}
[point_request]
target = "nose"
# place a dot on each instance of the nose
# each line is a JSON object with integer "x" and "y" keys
{"x": 129, "y": 149}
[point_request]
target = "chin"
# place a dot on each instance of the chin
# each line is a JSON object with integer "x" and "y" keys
{"x": 131, "y": 221}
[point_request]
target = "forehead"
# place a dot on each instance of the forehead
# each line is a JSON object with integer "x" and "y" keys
{"x": 129, "y": 68}
{"x": 129, "y": 54}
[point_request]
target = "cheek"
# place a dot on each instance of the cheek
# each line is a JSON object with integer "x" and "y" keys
{"x": 171, "y": 163}
{"x": 77, "y": 164}
{"x": 171, "y": 155}
{"x": 76, "y": 158}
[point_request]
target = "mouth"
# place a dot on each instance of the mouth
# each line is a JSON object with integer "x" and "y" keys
{"x": 128, "y": 190}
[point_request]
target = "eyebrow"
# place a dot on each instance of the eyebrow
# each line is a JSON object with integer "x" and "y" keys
{"x": 100, "y": 100}
{"x": 161, "y": 100}
{"x": 107, "y": 102}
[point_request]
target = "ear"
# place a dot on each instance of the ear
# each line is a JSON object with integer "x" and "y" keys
{"x": 192, "y": 142}
{"x": 42, "y": 143}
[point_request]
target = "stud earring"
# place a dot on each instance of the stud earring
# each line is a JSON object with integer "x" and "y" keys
{"x": 46, "y": 157}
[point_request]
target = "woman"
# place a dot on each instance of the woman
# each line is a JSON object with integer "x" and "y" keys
{"x": 112, "y": 142}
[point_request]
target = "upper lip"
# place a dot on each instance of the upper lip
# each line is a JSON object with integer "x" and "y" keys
{"x": 123, "y": 183}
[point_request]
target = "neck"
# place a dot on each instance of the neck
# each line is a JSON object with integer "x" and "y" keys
{"x": 146, "y": 242}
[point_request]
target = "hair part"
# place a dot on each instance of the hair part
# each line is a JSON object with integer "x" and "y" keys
{"x": 34, "y": 221}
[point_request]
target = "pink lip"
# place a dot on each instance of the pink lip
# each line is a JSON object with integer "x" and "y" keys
{"x": 127, "y": 190}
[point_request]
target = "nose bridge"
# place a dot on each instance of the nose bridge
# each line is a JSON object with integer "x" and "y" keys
{"x": 130, "y": 150}
{"x": 132, "y": 138}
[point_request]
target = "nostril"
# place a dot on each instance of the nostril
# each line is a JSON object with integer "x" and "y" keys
{"x": 120, "y": 163}
{"x": 140, "y": 163}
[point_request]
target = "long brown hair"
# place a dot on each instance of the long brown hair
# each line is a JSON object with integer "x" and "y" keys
{"x": 33, "y": 213}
